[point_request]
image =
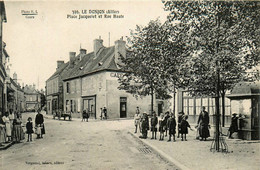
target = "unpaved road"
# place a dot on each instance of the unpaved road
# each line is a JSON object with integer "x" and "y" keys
{"x": 82, "y": 145}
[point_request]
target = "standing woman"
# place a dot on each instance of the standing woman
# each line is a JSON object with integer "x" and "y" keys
{"x": 7, "y": 122}
{"x": 39, "y": 123}
{"x": 18, "y": 133}
{"x": 2, "y": 131}
{"x": 137, "y": 119}
{"x": 203, "y": 123}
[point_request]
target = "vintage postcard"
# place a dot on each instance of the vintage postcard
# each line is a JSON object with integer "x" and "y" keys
{"x": 128, "y": 84}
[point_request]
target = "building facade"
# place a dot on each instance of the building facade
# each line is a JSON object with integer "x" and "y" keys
{"x": 54, "y": 89}
{"x": 91, "y": 82}
{"x": 192, "y": 106}
{"x": 2, "y": 58}
{"x": 32, "y": 98}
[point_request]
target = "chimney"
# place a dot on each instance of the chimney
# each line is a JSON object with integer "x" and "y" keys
{"x": 120, "y": 49}
{"x": 15, "y": 77}
{"x": 33, "y": 86}
{"x": 98, "y": 44}
{"x": 72, "y": 58}
{"x": 82, "y": 51}
{"x": 59, "y": 64}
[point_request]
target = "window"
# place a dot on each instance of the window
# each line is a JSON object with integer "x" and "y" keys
{"x": 198, "y": 106}
{"x": 68, "y": 87}
{"x": 71, "y": 104}
{"x": 67, "y": 105}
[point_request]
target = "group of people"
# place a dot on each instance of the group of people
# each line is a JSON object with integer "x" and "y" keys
{"x": 167, "y": 125}
{"x": 103, "y": 113}
{"x": 11, "y": 127}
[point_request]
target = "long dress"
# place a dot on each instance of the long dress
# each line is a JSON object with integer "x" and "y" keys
{"x": 39, "y": 122}
{"x": 18, "y": 133}
{"x": 203, "y": 122}
{"x": 2, "y": 134}
{"x": 6, "y": 120}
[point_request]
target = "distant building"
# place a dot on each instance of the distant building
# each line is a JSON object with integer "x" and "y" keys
{"x": 32, "y": 98}
{"x": 54, "y": 89}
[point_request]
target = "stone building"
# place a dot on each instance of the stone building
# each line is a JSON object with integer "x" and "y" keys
{"x": 90, "y": 83}
{"x": 32, "y": 98}
{"x": 54, "y": 89}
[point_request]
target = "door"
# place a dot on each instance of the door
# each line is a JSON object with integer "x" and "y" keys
{"x": 123, "y": 107}
{"x": 89, "y": 104}
{"x": 160, "y": 108}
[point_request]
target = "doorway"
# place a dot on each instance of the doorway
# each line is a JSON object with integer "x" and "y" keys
{"x": 160, "y": 108}
{"x": 123, "y": 107}
{"x": 89, "y": 104}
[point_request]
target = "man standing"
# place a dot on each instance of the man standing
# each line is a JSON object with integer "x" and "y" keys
{"x": 39, "y": 123}
{"x": 203, "y": 124}
{"x": 105, "y": 112}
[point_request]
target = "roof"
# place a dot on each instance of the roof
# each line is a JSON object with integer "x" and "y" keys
{"x": 245, "y": 89}
{"x": 3, "y": 14}
{"x": 30, "y": 90}
{"x": 59, "y": 71}
{"x": 91, "y": 64}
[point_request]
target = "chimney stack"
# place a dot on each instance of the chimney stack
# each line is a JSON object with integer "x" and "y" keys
{"x": 120, "y": 49}
{"x": 15, "y": 77}
{"x": 98, "y": 44}
{"x": 59, "y": 64}
{"x": 72, "y": 58}
{"x": 82, "y": 51}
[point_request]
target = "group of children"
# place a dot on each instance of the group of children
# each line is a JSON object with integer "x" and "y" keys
{"x": 167, "y": 123}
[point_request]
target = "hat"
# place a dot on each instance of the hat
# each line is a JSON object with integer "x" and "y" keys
{"x": 234, "y": 114}
{"x": 144, "y": 112}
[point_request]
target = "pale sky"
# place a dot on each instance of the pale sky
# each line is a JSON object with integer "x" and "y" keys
{"x": 34, "y": 45}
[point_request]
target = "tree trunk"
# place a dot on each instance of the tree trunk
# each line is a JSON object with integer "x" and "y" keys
{"x": 223, "y": 108}
{"x": 217, "y": 111}
{"x": 152, "y": 100}
{"x": 174, "y": 100}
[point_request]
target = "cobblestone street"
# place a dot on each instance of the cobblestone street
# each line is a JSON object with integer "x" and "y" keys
{"x": 82, "y": 145}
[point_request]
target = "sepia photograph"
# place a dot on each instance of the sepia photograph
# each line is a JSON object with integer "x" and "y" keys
{"x": 129, "y": 84}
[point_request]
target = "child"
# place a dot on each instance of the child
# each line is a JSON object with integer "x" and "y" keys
{"x": 184, "y": 127}
{"x": 171, "y": 124}
{"x": 180, "y": 117}
{"x": 166, "y": 117}
{"x": 154, "y": 122}
{"x": 161, "y": 126}
{"x": 29, "y": 129}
